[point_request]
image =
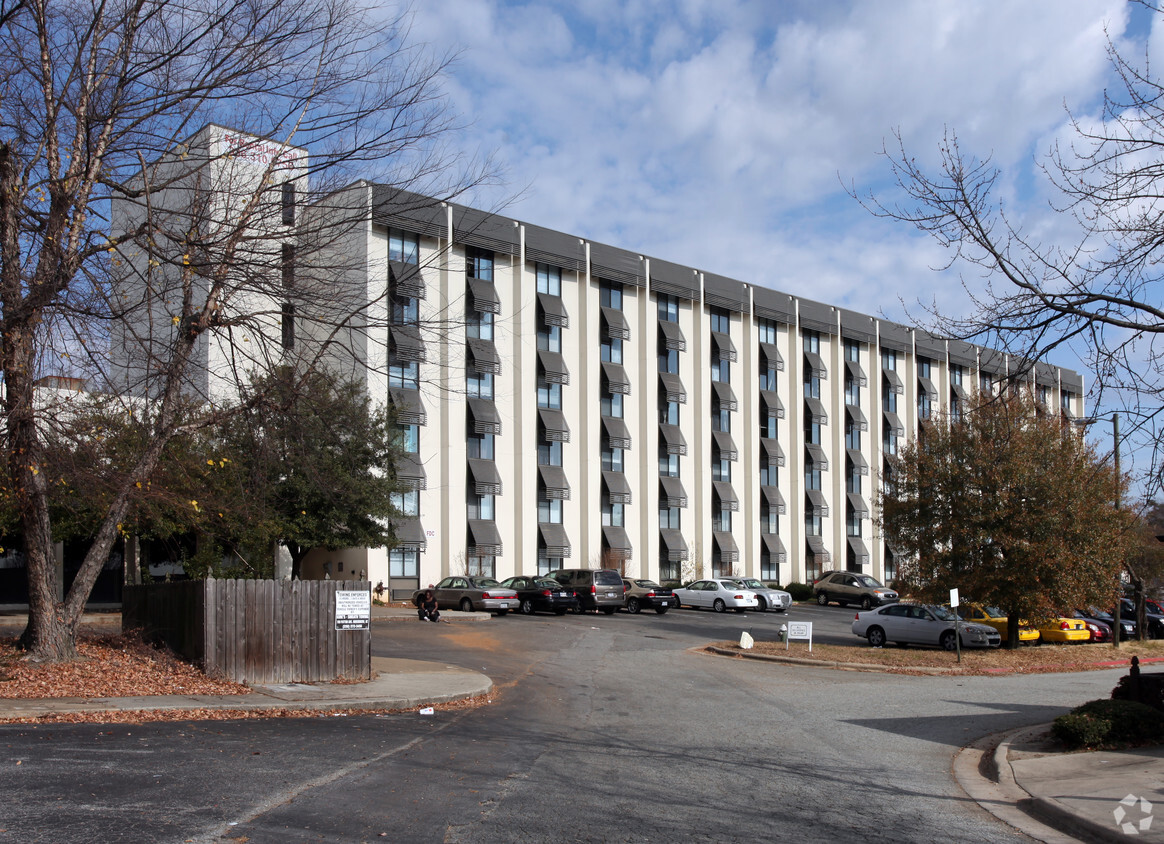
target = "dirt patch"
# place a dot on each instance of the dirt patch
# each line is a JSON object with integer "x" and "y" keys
{"x": 1027, "y": 660}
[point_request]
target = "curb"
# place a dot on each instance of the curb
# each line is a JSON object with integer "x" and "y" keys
{"x": 828, "y": 663}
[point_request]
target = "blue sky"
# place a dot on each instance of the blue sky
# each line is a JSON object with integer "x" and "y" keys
{"x": 721, "y": 133}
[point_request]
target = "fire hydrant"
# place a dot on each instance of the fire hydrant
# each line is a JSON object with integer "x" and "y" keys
{"x": 783, "y": 632}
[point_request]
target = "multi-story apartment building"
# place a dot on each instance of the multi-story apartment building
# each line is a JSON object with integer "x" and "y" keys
{"x": 565, "y": 402}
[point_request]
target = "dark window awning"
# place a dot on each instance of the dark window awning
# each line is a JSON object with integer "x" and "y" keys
{"x": 726, "y": 495}
{"x": 816, "y": 501}
{"x": 816, "y": 455}
{"x": 673, "y": 336}
{"x": 856, "y": 373}
{"x": 553, "y": 367}
{"x": 409, "y": 408}
{"x": 893, "y": 423}
{"x": 895, "y": 384}
{"x": 674, "y": 544}
{"x": 673, "y": 437}
{"x": 405, "y": 344}
{"x": 552, "y": 541}
{"x": 617, "y": 380}
{"x": 483, "y": 356}
{"x": 860, "y": 465}
{"x": 554, "y": 482}
{"x": 617, "y": 327}
{"x": 774, "y": 407}
{"x": 486, "y": 419}
{"x": 484, "y": 295}
{"x": 925, "y": 385}
{"x": 858, "y": 550}
{"x": 814, "y": 363}
{"x": 775, "y": 547}
{"x": 817, "y": 549}
{"x": 673, "y": 493}
{"x": 814, "y": 409}
{"x": 617, "y": 433}
{"x": 722, "y": 347}
{"x": 554, "y": 424}
{"x": 485, "y": 478}
{"x": 728, "y": 552}
{"x": 617, "y": 487}
{"x": 773, "y": 356}
{"x": 726, "y": 396}
{"x": 406, "y": 280}
{"x": 409, "y": 535}
{"x": 773, "y": 453}
{"x": 554, "y": 310}
{"x": 484, "y": 538}
{"x": 726, "y": 445}
{"x": 673, "y": 387}
{"x": 410, "y": 471}
{"x": 857, "y": 506}
{"x": 960, "y": 392}
{"x": 615, "y": 539}
{"x": 774, "y": 499}
{"x": 857, "y": 417}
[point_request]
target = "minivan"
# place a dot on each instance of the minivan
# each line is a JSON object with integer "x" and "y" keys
{"x": 596, "y": 588}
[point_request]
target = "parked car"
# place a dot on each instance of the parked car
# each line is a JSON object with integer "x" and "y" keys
{"x": 1127, "y": 625}
{"x": 597, "y": 589}
{"x": 541, "y": 593}
{"x": 719, "y": 595}
{"x": 766, "y": 597}
{"x": 1064, "y": 631}
{"x": 847, "y": 587}
{"x": 471, "y": 592}
{"x": 998, "y": 619}
{"x": 1153, "y": 621}
{"x": 918, "y": 624}
{"x": 646, "y": 594}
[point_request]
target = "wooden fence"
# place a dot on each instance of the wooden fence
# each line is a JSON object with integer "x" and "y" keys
{"x": 253, "y": 631}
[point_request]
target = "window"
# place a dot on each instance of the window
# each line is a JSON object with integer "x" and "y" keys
{"x": 481, "y": 506}
{"x": 852, "y": 351}
{"x": 852, "y": 479}
{"x": 668, "y": 569}
{"x": 812, "y": 432}
{"x": 721, "y": 418}
{"x": 610, "y": 295}
{"x": 889, "y": 360}
{"x": 669, "y": 518}
{"x": 668, "y": 412}
{"x": 550, "y": 338}
{"x": 404, "y": 247}
{"x": 480, "y": 566}
{"x": 767, "y": 426}
{"x": 550, "y": 453}
{"x": 548, "y": 564}
{"x": 611, "y": 350}
{"x": 889, "y": 441}
{"x": 668, "y": 360}
{"x": 613, "y": 515}
{"x": 852, "y": 522}
{"x": 549, "y": 394}
{"x": 288, "y": 203}
{"x": 478, "y": 385}
{"x": 888, "y": 397}
{"x": 813, "y": 525}
{"x": 768, "y": 473}
{"x": 769, "y": 571}
{"x": 409, "y": 438}
{"x": 668, "y": 308}
{"x": 985, "y": 383}
{"x": 956, "y": 374}
{"x": 406, "y": 310}
{"x": 767, "y": 377}
{"x": 1067, "y": 401}
{"x": 721, "y": 468}
{"x": 924, "y": 405}
{"x": 852, "y": 435}
{"x": 720, "y": 320}
{"x": 478, "y": 325}
{"x": 480, "y": 446}
{"x": 404, "y": 374}
{"x": 852, "y": 392}
{"x": 766, "y": 331}
{"x": 924, "y": 368}
{"x": 811, "y": 342}
{"x": 721, "y": 370}
{"x": 811, "y": 474}
{"x": 408, "y": 503}
{"x": 287, "y": 326}
{"x": 668, "y": 463}
{"x": 287, "y": 266}
{"x": 769, "y": 519}
{"x": 722, "y": 519}
{"x": 549, "y": 280}
{"x": 811, "y": 384}
{"x": 549, "y": 510}
{"x": 403, "y": 563}
{"x": 611, "y": 405}
{"x": 1043, "y": 395}
{"x": 612, "y": 459}
{"x": 478, "y": 263}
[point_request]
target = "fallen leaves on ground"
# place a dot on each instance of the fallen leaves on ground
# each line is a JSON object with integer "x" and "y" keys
{"x": 1040, "y": 659}
{"x": 110, "y": 665}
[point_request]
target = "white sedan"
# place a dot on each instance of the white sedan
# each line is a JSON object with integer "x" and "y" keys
{"x": 917, "y": 624}
{"x": 717, "y": 594}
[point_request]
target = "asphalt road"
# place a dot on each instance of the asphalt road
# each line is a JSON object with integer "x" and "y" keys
{"x": 601, "y": 729}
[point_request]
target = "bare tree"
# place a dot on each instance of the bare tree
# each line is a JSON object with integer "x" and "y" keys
{"x": 1098, "y": 291}
{"x": 149, "y": 153}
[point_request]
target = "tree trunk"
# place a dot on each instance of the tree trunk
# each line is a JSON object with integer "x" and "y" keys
{"x": 1012, "y": 632}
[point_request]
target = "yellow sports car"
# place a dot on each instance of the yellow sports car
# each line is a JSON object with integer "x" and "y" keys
{"x": 1062, "y": 630}
{"x": 996, "y": 618}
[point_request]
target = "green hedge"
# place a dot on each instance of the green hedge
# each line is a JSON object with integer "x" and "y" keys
{"x": 799, "y": 591}
{"x": 1109, "y": 723}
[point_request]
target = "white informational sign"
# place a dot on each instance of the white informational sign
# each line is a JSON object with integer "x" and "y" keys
{"x": 954, "y": 598}
{"x": 799, "y": 630}
{"x": 353, "y": 609}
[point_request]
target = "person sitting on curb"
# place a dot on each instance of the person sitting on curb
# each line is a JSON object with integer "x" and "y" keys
{"x": 428, "y": 608}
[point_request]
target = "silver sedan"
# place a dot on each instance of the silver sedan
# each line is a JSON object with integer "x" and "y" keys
{"x": 469, "y": 593}
{"x": 767, "y": 597}
{"x": 718, "y": 594}
{"x": 918, "y": 624}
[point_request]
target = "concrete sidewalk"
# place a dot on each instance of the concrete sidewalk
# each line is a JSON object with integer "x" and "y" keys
{"x": 397, "y": 684}
{"x": 1026, "y": 780}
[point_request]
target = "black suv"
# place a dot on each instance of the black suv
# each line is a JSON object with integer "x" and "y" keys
{"x": 597, "y": 589}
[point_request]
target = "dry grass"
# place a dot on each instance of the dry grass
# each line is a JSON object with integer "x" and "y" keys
{"x": 1026, "y": 660}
